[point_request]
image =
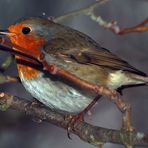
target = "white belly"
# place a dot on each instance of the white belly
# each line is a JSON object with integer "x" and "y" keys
{"x": 57, "y": 95}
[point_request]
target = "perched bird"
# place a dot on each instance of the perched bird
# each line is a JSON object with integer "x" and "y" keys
{"x": 73, "y": 51}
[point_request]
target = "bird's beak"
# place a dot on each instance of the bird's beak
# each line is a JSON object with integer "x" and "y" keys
{"x": 6, "y": 32}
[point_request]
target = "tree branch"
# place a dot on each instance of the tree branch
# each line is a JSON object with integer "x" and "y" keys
{"x": 89, "y": 11}
{"x": 92, "y": 134}
{"x": 83, "y": 11}
{"x": 138, "y": 28}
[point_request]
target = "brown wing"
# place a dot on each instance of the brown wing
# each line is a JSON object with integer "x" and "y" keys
{"x": 87, "y": 54}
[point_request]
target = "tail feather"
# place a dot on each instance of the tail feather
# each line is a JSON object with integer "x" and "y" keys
{"x": 140, "y": 79}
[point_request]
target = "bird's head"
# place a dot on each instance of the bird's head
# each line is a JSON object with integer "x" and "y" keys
{"x": 30, "y": 33}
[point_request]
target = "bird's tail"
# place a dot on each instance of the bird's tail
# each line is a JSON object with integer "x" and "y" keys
{"x": 140, "y": 79}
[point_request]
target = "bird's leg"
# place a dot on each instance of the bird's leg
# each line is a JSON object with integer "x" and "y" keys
{"x": 125, "y": 108}
{"x": 79, "y": 117}
{"x": 36, "y": 102}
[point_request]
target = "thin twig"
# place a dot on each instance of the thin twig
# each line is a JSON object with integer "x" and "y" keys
{"x": 8, "y": 79}
{"x": 84, "y": 11}
{"x": 138, "y": 28}
{"x": 113, "y": 26}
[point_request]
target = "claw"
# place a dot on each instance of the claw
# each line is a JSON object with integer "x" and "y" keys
{"x": 68, "y": 133}
{"x": 73, "y": 120}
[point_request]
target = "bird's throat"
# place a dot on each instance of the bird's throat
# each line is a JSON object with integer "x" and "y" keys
{"x": 27, "y": 72}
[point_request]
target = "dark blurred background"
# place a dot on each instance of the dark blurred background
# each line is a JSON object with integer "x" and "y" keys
{"x": 18, "y": 130}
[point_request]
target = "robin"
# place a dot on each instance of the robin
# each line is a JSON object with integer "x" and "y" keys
{"x": 73, "y": 51}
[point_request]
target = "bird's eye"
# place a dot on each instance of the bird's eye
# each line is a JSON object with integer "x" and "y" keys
{"x": 26, "y": 30}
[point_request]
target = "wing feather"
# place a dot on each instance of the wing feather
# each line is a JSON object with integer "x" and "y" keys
{"x": 88, "y": 54}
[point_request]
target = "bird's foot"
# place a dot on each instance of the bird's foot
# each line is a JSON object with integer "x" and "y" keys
{"x": 35, "y": 102}
{"x": 73, "y": 119}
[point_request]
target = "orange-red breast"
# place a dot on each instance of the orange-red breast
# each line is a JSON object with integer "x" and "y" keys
{"x": 76, "y": 53}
